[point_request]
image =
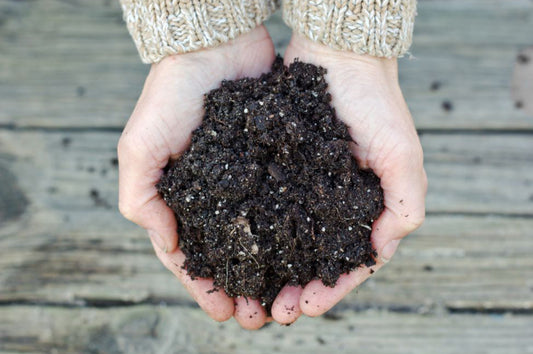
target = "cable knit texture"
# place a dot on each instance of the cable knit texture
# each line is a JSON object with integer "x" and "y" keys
{"x": 165, "y": 27}
{"x": 382, "y": 28}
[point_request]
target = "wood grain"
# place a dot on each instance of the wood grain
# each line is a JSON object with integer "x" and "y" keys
{"x": 464, "y": 53}
{"x": 77, "y": 277}
{"x": 161, "y": 329}
{"x": 72, "y": 63}
{"x": 479, "y": 173}
{"x": 469, "y": 173}
{"x": 72, "y": 246}
{"x": 522, "y": 86}
{"x": 67, "y": 63}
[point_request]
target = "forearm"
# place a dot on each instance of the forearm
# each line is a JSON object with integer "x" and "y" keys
{"x": 166, "y": 27}
{"x": 381, "y": 28}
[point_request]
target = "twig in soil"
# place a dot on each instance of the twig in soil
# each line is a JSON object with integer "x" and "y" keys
{"x": 249, "y": 253}
{"x": 219, "y": 121}
{"x": 365, "y": 226}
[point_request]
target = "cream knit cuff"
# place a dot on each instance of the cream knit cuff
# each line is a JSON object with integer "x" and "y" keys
{"x": 381, "y": 28}
{"x": 165, "y": 27}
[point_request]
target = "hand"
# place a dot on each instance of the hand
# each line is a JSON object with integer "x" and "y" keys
{"x": 367, "y": 97}
{"x": 169, "y": 109}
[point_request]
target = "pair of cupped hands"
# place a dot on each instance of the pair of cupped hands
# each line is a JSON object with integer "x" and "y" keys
{"x": 366, "y": 96}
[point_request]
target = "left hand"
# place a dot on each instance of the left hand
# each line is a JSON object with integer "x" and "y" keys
{"x": 368, "y": 99}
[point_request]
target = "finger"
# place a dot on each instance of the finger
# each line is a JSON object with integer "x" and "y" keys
{"x": 317, "y": 299}
{"x": 405, "y": 191}
{"x": 286, "y": 307}
{"x": 139, "y": 200}
{"x": 404, "y": 210}
{"x": 404, "y": 183}
{"x": 164, "y": 232}
{"x": 249, "y": 313}
{"x": 387, "y": 232}
{"x": 216, "y": 304}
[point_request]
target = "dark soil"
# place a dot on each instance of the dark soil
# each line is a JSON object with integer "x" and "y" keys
{"x": 268, "y": 193}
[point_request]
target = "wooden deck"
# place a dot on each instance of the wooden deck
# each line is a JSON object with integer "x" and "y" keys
{"x": 76, "y": 277}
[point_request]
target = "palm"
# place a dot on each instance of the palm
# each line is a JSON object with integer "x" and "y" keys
{"x": 169, "y": 109}
{"x": 367, "y": 97}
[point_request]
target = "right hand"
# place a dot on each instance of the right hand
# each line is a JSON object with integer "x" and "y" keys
{"x": 168, "y": 110}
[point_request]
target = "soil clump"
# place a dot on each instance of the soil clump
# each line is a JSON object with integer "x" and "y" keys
{"x": 268, "y": 192}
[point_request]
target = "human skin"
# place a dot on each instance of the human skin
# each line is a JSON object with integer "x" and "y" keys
{"x": 169, "y": 109}
{"x": 366, "y": 96}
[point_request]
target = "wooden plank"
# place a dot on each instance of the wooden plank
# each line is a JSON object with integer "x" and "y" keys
{"x": 67, "y": 63}
{"x": 468, "y": 173}
{"x": 452, "y": 263}
{"x": 464, "y": 56}
{"x": 160, "y": 329}
{"x": 479, "y": 173}
{"x": 72, "y": 64}
{"x": 522, "y": 86}
{"x": 70, "y": 245}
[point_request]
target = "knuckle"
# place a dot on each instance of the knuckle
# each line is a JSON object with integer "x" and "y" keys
{"x": 406, "y": 148}
{"x": 124, "y": 146}
{"x": 133, "y": 147}
{"x": 125, "y": 205}
{"x": 127, "y": 209}
{"x": 406, "y": 154}
{"x": 414, "y": 220}
{"x": 425, "y": 182}
{"x": 416, "y": 155}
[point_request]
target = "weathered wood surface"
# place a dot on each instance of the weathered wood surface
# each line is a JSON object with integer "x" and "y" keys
{"x": 522, "y": 90}
{"x": 59, "y": 57}
{"x": 76, "y": 277}
{"x": 470, "y": 173}
{"x": 71, "y": 245}
{"x": 465, "y": 53}
{"x": 161, "y": 329}
{"x": 452, "y": 264}
{"x": 479, "y": 173}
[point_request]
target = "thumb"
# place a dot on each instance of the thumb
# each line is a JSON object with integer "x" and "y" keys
{"x": 160, "y": 223}
{"x": 387, "y": 233}
{"x": 401, "y": 215}
{"x": 139, "y": 200}
{"x": 404, "y": 184}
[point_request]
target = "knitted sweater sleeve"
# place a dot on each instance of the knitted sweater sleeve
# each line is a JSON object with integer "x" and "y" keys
{"x": 165, "y": 27}
{"x": 381, "y": 28}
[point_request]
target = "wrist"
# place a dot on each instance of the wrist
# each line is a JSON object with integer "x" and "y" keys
{"x": 375, "y": 27}
{"x": 326, "y": 56}
{"x": 166, "y": 27}
{"x": 228, "y": 53}
{"x": 230, "y": 60}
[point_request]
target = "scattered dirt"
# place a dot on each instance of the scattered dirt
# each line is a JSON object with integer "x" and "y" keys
{"x": 268, "y": 193}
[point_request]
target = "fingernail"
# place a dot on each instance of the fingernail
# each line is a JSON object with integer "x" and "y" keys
{"x": 388, "y": 251}
{"x": 158, "y": 240}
